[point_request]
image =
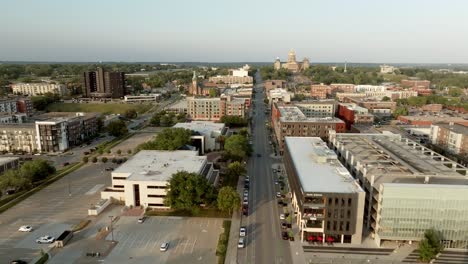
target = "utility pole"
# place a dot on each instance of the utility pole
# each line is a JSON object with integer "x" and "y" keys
{"x": 112, "y": 229}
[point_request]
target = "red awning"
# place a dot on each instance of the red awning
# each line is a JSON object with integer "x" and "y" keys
{"x": 320, "y": 238}
{"x": 330, "y": 239}
{"x": 310, "y": 238}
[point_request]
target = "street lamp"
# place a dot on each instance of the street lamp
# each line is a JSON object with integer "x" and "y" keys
{"x": 112, "y": 229}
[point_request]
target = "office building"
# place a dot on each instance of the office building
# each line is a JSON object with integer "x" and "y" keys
{"x": 290, "y": 121}
{"x": 409, "y": 188}
{"x": 274, "y": 84}
{"x": 206, "y": 134}
{"x": 8, "y": 163}
{"x": 143, "y": 179}
{"x": 453, "y": 137}
{"x": 102, "y": 84}
{"x": 327, "y": 200}
{"x": 317, "y": 108}
{"x": 33, "y": 89}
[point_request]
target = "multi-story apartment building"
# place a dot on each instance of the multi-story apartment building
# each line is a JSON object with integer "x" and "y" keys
{"x": 342, "y": 88}
{"x": 143, "y": 180}
{"x": 212, "y": 109}
{"x": 290, "y": 121}
{"x": 320, "y": 91}
{"x": 61, "y": 131}
{"x": 409, "y": 188}
{"x": 317, "y": 108}
{"x": 228, "y": 79}
{"x": 327, "y": 201}
{"x": 25, "y": 106}
{"x": 33, "y": 89}
{"x": 279, "y": 95}
{"x": 416, "y": 84}
{"x": 353, "y": 114}
{"x": 274, "y": 84}
{"x": 370, "y": 88}
{"x": 454, "y": 137}
{"x": 8, "y": 118}
{"x": 427, "y": 120}
{"x": 8, "y": 106}
{"x": 18, "y": 137}
{"x": 103, "y": 84}
{"x": 383, "y": 108}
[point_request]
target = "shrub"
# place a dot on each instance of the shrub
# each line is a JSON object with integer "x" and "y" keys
{"x": 104, "y": 160}
{"x": 94, "y": 160}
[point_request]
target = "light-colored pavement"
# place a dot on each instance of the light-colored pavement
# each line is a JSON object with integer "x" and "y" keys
{"x": 58, "y": 206}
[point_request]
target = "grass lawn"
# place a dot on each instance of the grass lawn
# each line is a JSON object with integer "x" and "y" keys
{"x": 208, "y": 212}
{"x": 108, "y": 108}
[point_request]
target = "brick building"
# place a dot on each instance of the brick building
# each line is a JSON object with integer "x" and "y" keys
{"x": 353, "y": 114}
{"x": 213, "y": 109}
{"x": 320, "y": 91}
{"x": 274, "y": 84}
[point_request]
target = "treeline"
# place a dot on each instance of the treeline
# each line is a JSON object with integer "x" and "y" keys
{"x": 355, "y": 75}
{"x": 26, "y": 176}
{"x": 269, "y": 73}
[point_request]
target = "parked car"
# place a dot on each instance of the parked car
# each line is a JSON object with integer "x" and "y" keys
{"x": 246, "y": 192}
{"x": 109, "y": 169}
{"x": 25, "y": 228}
{"x": 284, "y": 225}
{"x": 142, "y": 219}
{"x": 278, "y": 195}
{"x": 282, "y": 217}
{"x": 164, "y": 246}
{"x": 18, "y": 261}
{"x": 45, "y": 240}
{"x": 242, "y": 231}
{"x": 66, "y": 164}
{"x": 241, "y": 243}
{"x": 285, "y": 235}
{"x": 245, "y": 210}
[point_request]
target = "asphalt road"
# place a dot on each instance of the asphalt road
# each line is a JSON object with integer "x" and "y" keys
{"x": 263, "y": 241}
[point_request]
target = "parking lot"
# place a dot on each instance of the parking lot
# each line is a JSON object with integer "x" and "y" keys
{"x": 50, "y": 211}
{"x": 191, "y": 240}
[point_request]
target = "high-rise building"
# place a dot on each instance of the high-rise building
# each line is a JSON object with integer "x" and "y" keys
{"x": 103, "y": 84}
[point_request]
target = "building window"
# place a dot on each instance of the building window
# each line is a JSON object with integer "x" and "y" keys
{"x": 330, "y": 201}
{"x": 156, "y": 195}
{"x": 119, "y": 178}
{"x": 118, "y": 186}
{"x": 347, "y": 226}
{"x": 155, "y": 204}
{"x": 156, "y": 187}
{"x": 349, "y": 201}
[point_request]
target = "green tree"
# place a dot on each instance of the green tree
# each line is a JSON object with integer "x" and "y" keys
{"x": 188, "y": 191}
{"x": 235, "y": 168}
{"x": 129, "y": 151}
{"x": 131, "y": 114}
{"x": 119, "y": 152}
{"x": 213, "y": 92}
{"x": 168, "y": 139}
{"x": 234, "y": 121}
{"x": 430, "y": 245}
{"x": 94, "y": 160}
{"x": 237, "y": 146}
{"x": 455, "y": 92}
{"x": 228, "y": 199}
{"x": 386, "y": 99}
{"x": 103, "y": 159}
{"x": 400, "y": 110}
{"x": 85, "y": 159}
{"x": 117, "y": 128}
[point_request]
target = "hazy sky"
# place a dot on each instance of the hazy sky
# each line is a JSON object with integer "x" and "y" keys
{"x": 425, "y": 31}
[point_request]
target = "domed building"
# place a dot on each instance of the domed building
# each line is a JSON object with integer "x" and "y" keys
{"x": 292, "y": 64}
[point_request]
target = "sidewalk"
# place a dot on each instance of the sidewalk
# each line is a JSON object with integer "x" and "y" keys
{"x": 231, "y": 252}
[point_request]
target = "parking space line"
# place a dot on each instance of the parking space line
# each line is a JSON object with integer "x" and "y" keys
{"x": 193, "y": 245}
{"x": 185, "y": 245}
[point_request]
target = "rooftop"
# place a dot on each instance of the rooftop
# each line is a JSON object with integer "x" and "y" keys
{"x": 156, "y": 165}
{"x": 435, "y": 118}
{"x": 294, "y": 114}
{"x": 390, "y": 158}
{"x": 4, "y": 160}
{"x": 203, "y": 127}
{"x": 456, "y": 128}
{"x": 318, "y": 168}
{"x": 63, "y": 116}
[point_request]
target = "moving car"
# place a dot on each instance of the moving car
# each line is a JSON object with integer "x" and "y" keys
{"x": 25, "y": 228}
{"x": 142, "y": 219}
{"x": 241, "y": 243}
{"x": 242, "y": 231}
{"x": 164, "y": 246}
{"x": 284, "y": 225}
{"x": 45, "y": 240}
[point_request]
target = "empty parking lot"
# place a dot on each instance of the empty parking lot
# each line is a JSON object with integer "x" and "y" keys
{"x": 192, "y": 240}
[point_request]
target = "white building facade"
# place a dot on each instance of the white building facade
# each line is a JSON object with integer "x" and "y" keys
{"x": 34, "y": 89}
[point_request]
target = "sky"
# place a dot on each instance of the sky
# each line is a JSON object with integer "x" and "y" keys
{"x": 373, "y": 31}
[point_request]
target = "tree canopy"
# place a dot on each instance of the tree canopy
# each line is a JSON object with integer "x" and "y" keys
{"x": 168, "y": 139}
{"x": 117, "y": 128}
{"x": 234, "y": 121}
{"x": 24, "y": 177}
{"x": 167, "y": 119}
{"x": 237, "y": 146}
{"x": 131, "y": 114}
{"x": 228, "y": 199}
{"x": 188, "y": 191}
{"x": 41, "y": 102}
{"x": 430, "y": 245}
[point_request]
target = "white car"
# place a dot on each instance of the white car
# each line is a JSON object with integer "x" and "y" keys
{"x": 241, "y": 243}
{"x": 246, "y": 192}
{"x": 242, "y": 231}
{"x": 164, "y": 246}
{"x": 25, "y": 228}
{"x": 45, "y": 240}
{"x": 278, "y": 195}
{"x": 282, "y": 216}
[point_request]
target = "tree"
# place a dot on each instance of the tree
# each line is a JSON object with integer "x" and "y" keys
{"x": 117, "y": 128}
{"x": 119, "y": 152}
{"x": 168, "y": 139}
{"x": 103, "y": 159}
{"x": 24, "y": 177}
{"x": 234, "y": 121}
{"x": 430, "y": 245}
{"x": 235, "y": 168}
{"x": 94, "y": 159}
{"x": 228, "y": 199}
{"x": 188, "y": 191}
{"x": 129, "y": 151}
{"x": 386, "y": 99}
{"x": 400, "y": 110}
{"x": 131, "y": 114}
{"x": 85, "y": 159}
{"x": 213, "y": 92}
{"x": 237, "y": 146}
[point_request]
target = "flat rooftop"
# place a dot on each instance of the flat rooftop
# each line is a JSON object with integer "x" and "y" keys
{"x": 391, "y": 158}
{"x": 294, "y": 114}
{"x": 456, "y": 128}
{"x": 435, "y": 118}
{"x": 203, "y": 127}
{"x": 159, "y": 165}
{"x": 318, "y": 167}
{"x": 63, "y": 116}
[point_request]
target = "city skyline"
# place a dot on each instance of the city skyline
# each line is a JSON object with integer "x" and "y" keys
{"x": 361, "y": 32}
